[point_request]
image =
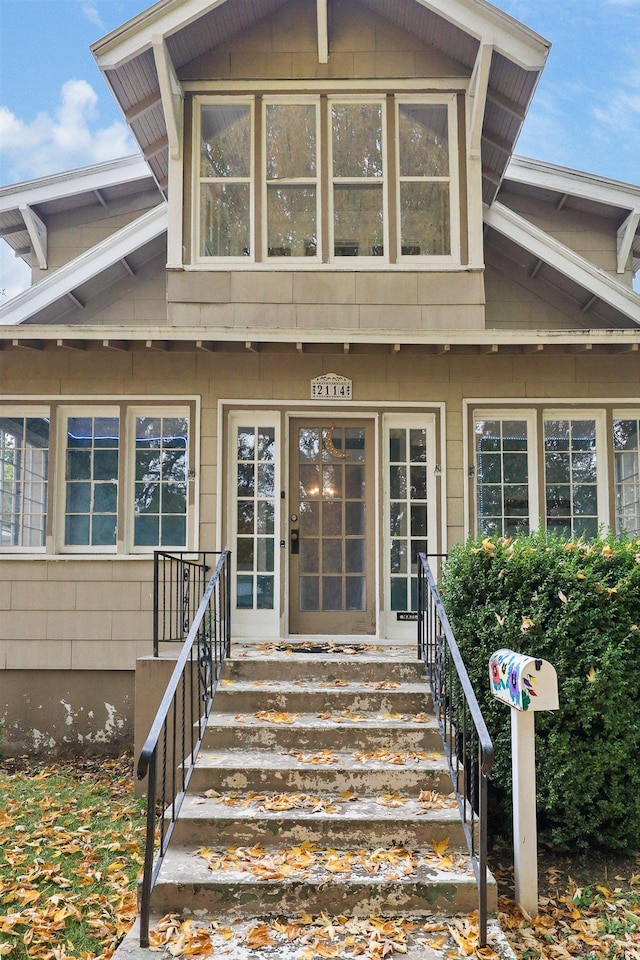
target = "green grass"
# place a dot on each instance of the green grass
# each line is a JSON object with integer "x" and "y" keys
{"x": 70, "y": 854}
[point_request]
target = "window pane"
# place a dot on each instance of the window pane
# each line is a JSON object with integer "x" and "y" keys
{"x": 358, "y": 221}
{"x": 225, "y": 145}
{"x": 502, "y": 477}
{"x": 225, "y": 220}
{"x": 161, "y": 472}
{"x": 291, "y": 140}
{"x": 91, "y": 481}
{"x": 357, "y": 139}
{"x": 291, "y": 221}
{"x": 255, "y": 512}
{"x": 24, "y": 468}
{"x": 570, "y": 476}
{"x": 626, "y": 435}
{"x": 424, "y": 140}
{"x": 424, "y": 219}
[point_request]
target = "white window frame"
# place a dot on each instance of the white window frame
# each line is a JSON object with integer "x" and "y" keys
{"x": 244, "y": 619}
{"x": 383, "y": 181}
{"x": 128, "y": 441}
{"x": 620, "y": 413}
{"x": 292, "y": 181}
{"x": 510, "y": 413}
{"x": 326, "y": 259}
{"x": 602, "y": 459}
{"x": 394, "y": 628}
{"x": 198, "y": 180}
{"x": 25, "y": 411}
{"x": 63, "y": 414}
{"x": 453, "y": 179}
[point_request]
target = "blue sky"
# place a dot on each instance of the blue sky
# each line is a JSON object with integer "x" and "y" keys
{"x": 56, "y": 111}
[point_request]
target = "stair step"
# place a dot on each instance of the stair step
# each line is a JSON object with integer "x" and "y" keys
{"x": 323, "y": 820}
{"x": 332, "y": 771}
{"x": 425, "y": 937}
{"x": 311, "y": 732}
{"x": 448, "y": 886}
{"x": 371, "y": 669}
{"x": 311, "y": 695}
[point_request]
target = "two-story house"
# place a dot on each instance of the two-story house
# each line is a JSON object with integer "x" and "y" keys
{"x": 326, "y": 319}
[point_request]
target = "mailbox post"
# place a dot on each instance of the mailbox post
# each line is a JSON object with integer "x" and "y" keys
{"x": 526, "y": 684}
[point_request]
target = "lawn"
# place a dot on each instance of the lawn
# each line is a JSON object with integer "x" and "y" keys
{"x": 70, "y": 854}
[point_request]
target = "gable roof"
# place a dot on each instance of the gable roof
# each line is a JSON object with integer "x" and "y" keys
{"x": 141, "y": 61}
{"x": 96, "y": 185}
{"x": 582, "y": 191}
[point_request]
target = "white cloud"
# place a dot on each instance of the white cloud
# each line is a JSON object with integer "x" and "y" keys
{"x": 90, "y": 12}
{"x": 70, "y": 137}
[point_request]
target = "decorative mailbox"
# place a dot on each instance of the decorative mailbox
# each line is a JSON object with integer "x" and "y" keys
{"x": 524, "y": 683}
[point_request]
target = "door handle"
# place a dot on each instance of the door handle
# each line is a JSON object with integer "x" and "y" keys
{"x": 295, "y": 541}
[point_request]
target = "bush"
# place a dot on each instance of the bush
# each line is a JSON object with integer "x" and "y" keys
{"x": 576, "y": 605}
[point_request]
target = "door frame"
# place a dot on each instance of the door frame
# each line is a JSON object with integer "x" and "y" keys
{"x": 285, "y": 409}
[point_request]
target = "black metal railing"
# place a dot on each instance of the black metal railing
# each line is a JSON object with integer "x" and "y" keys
{"x": 170, "y": 751}
{"x": 179, "y": 581}
{"x": 467, "y": 744}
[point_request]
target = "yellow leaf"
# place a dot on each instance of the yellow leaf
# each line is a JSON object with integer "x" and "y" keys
{"x": 591, "y": 676}
{"x": 562, "y": 596}
{"x": 526, "y": 624}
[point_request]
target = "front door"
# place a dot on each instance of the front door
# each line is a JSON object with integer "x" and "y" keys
{"x": 331, "y": 526}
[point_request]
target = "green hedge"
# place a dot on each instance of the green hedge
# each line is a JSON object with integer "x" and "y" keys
{"x": 576, "y": 605}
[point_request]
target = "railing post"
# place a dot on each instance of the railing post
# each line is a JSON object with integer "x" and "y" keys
{"x": 147, "y": 875}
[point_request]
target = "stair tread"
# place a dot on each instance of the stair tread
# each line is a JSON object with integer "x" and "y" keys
{"x": 224, "y": 866}
{"x": 426, "y": 937}
{"x": 326, "y": 686}
{"x": 362, "y": 808}
{"x": 345, "y": 720}
{"x": 392, "y": 760}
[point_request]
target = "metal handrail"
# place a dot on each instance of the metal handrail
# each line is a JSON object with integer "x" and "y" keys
{"x": 170, "y": 751}
{"x": 179, "y": 581}
{"x": 467, "y": 744}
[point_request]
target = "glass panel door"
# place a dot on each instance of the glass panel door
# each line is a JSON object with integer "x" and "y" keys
{"x": 331, "y": 519}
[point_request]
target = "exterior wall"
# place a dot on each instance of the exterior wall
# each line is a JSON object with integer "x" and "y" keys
{"x": 358, "y": 301}
{"x": 70, "y": 234}
{"x": 285, "y": 45}
{"x": 64, "y": 712}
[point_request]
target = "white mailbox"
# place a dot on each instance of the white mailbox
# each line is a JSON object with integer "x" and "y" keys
{"x": 525, "y": 683}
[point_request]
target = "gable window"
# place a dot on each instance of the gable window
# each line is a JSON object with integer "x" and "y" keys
{"x": 358, "y": 179}
{"x": 424, "y": 182}
{"x": 291, "y": 145}
{"x": 24, "y": 475}
{"x": 308, "y": 177}
{"x": 226, "y": 152}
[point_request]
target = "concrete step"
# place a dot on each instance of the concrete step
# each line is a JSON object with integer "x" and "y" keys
{"x": 311, "y": 732}
{"x": 326, "y": 772}
{"x": 310, "y": 696}
{"x": 371, "y": 668}
{"x": 389, "y": 820}
{"x": 427, "y": 937}
{"x": 414, "y": 882}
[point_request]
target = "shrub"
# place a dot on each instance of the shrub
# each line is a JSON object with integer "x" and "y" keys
{"x": 577, "y": 605}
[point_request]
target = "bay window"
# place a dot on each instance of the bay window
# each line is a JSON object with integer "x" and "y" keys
{"x": 324, "y": 192}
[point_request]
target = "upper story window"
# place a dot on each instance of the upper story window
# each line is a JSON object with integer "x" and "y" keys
{"x": 321, "y": 179}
